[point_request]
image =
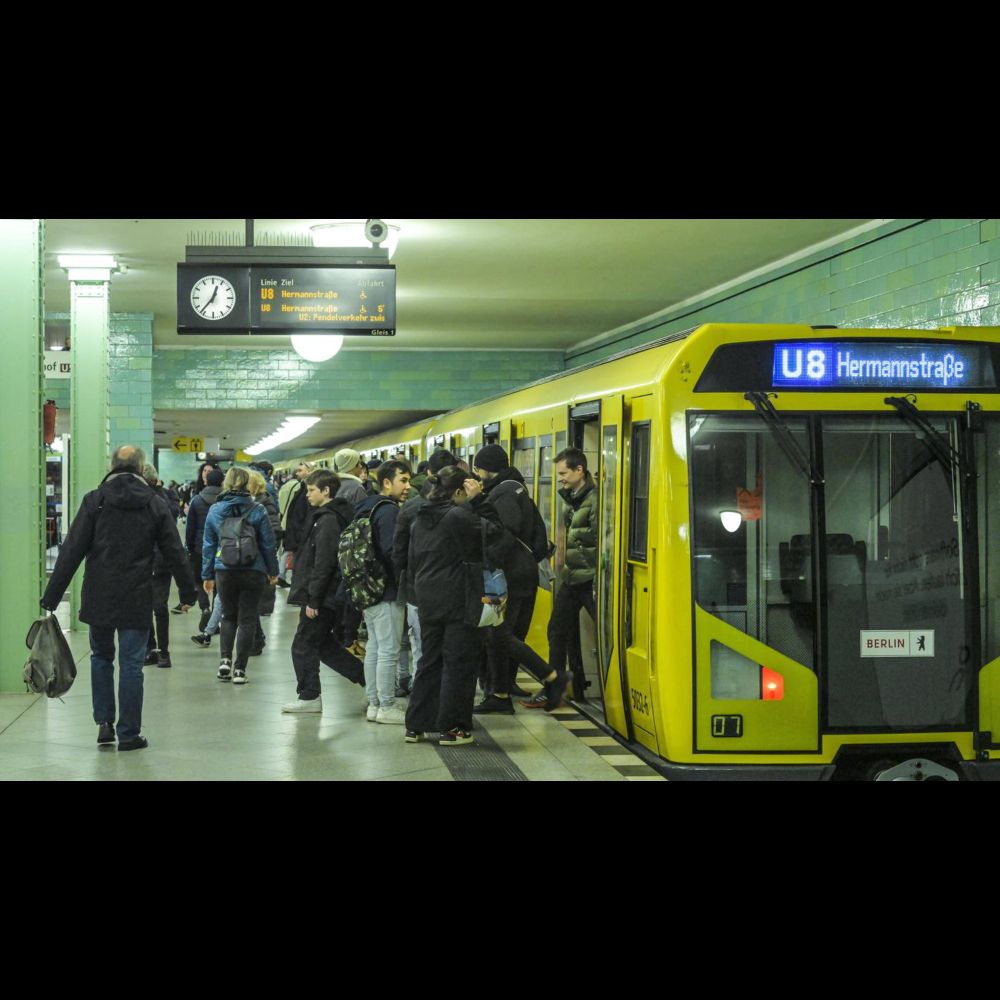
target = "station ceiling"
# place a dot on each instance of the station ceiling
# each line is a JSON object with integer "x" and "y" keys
{"x": 461, "y": 283}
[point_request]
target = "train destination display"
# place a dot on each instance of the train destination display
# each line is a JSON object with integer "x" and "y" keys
{"x": 881, "y": 365}
{"x": 266, "y": 299}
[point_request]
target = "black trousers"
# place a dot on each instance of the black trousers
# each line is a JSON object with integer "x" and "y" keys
{"x": 161, "y": 614}
{"x": 309, "y": 636}
{"x": 444, "y": 690}
{"x": 240, "y": 591}
{"x": 505, "y": 646}
{"x": 195, "y": 562}
{"x": 564, "y": 625}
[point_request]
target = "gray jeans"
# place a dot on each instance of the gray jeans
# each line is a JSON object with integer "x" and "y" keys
{"x": 385, "y": 632}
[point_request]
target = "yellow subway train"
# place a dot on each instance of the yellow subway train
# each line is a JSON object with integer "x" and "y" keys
{"x": 799, "y": 568}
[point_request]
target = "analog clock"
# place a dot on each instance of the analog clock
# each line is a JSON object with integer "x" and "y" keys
{"x": 213, "y": 297}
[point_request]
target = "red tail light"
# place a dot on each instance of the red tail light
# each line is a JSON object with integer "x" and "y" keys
{"x": 772, "y": 685}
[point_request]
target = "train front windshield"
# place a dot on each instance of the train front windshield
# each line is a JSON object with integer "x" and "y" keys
{"x": 897, "y": 610}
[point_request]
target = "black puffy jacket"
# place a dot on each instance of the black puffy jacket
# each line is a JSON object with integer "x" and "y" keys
{"x": 194, "y": 531}
{"x": 445, "y": 558}
{"x": 509, "y": 496}
{"x": 317, "y": 571}
{"x": 117, "y": 529}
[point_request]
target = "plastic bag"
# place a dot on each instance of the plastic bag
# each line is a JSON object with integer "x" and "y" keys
{"x": 50, "y": 668}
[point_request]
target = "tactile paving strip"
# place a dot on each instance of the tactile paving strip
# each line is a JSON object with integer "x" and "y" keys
{"x": 480, "y": 761}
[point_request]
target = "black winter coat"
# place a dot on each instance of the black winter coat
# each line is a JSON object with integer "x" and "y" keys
{"x": 194, "y": 532}
{"x": 298, "y": 520}
{"x": 117, "y": 529}
{"x": 445, "y": 558}
{"x": 317, "y": 571}
{"x": 159, "y": 560}
{"x": 508, "y": 495}
{"x": 401, "y": 546}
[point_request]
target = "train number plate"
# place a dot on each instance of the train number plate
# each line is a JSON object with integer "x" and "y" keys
{"x": 730, "y": 726}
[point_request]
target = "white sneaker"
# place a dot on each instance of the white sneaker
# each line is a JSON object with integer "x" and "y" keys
{"x": 301, "y": 707}
{"x": 371, "y": 713}
{"x": 225, "y": 670}
{"x": 394, "y": 715}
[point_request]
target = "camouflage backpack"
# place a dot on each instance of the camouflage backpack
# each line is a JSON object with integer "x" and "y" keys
{"x": 362, "y": 569}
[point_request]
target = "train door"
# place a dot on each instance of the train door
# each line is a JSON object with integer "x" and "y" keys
{"x": 612, "y": 676}
{"x": 638, "y": 575}
{"x": 585, "y": 434}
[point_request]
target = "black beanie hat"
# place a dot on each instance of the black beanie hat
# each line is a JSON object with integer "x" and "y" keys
{"x": 492, "y": 458}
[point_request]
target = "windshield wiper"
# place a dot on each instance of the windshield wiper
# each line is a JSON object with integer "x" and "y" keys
{"x": 939, "y": 446}
{"x": 784, "y": 437}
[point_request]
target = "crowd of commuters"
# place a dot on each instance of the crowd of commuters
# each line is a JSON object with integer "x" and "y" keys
{"x": 363, "y": 550}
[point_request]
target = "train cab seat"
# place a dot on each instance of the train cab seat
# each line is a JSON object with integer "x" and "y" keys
{"x": 846, "y": 561}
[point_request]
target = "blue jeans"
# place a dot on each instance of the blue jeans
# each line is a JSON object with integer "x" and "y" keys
{"x": 131, "y": 653}
{"x": 215, "y": 619}
{"x": 385, "y": 633}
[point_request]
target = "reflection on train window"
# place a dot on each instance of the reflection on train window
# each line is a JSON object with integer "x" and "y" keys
{"x": 524, "y": 460}
{"x": 606, "y": 566}
{"x": 639, "y": 493}
{"x": 545, "y": 505}
{"x": 894, "y": 563}
{"x": 755, "y": 577}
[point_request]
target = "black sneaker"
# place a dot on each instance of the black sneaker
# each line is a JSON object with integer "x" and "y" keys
{"x": 225, "y": 670}
{"x": 151, "y": 658}
{"x": 492, "y": 705}
{"x": 136, "y": 743}
{"x": 163, "y": 660}
{"x": 455, "y": 738}
{"x": 412, "y": 736}
{"x": 239, "y": 676}
{"x": 284, "y": 584}
{"x": 202, "y": 640}
{"x": 177, "y": 610}
{"x": 518, "y": 692}
{"x": 106, "y": 734}
{"x": 555, "y": 690}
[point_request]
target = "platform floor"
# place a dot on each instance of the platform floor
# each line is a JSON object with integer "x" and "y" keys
{"x": 200, "y": 729}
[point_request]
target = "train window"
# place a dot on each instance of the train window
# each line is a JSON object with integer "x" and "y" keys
{"x": 606, "y": 561}
{"x": 757, "y": 577}
{"x": 545, "y": 484}
{"x": 988, "y": 467}
{"x": 524, "y": 460}
{"x": 639, "y": 494}
{"x": 894, "y": 563}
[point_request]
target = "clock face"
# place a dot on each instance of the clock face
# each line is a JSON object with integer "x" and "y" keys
{"x": 213, "y": 297}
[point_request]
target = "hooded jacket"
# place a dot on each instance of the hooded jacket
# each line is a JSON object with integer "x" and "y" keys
{"x": 317, "y": 571}
{"x": 580, "y": 518}
{"x": 233, "y": 504}
{"x": 194, "y": 532}
{"x": 383, "y": 530}
{"x": 445, "y": 558}
{"x": 351, "y": 489}
{"x": 117, "y": 530}
{"x": 514, "y": 507}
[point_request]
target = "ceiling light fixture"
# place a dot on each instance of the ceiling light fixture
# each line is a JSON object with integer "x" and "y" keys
{"x": 291, "y": 428}
{"x": 731, "y": 520}
{"x": 317, "y": 347}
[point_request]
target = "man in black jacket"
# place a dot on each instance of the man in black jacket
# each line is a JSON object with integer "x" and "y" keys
{"x": 117, "y": 530}
{"x": 504, "y": 490}
{"x": 314, "y": 586}
{"x": 194, "y": 534}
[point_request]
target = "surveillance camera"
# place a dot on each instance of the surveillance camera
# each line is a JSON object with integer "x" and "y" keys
{"x": 376, "y": 231}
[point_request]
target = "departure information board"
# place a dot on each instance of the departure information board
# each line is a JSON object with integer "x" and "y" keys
{"x": 265, "y": 299}
{"x": 881, "y": 365}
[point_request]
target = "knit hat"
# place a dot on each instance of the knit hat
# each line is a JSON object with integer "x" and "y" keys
{"x": 215, "y": 478}
{"x": 492, "y": 458}
{"x": 346, "y": 460}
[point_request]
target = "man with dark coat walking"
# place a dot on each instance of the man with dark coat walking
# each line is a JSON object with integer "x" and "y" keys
{"x": 117, "y": 530}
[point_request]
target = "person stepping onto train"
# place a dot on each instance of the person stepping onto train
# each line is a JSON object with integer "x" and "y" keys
{"x": 445, "y": 560}
{"x": 577, "y": 577}
{"x": 504, "y": 490}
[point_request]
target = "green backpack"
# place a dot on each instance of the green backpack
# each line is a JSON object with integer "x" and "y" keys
{"x": 363, "y": 571}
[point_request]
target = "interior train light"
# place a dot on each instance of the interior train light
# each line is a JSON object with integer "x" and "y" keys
{"x": 731, "y": 520}
{"x": 772, "y": 685}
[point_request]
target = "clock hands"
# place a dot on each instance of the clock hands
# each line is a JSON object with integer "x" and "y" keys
{"x": 215, "y": 292}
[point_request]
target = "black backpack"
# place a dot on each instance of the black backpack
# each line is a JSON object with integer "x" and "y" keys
{"x": 238, "y": 540}
{"x": 535, "y": 537}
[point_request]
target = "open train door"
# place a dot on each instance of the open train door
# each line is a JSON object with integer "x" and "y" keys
{"x": 611, "y": 489}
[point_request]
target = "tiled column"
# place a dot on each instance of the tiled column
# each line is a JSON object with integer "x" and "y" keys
{"x": 22, "y": 528}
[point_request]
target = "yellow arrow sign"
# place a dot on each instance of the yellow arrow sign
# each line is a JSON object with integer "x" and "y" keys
{"x": 189, "y": 444}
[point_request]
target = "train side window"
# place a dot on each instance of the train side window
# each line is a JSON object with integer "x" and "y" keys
{"x": 639, "y": 493}
{"x": 524, "y": 461}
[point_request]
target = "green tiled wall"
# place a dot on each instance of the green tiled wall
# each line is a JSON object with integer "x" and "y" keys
{"x": 245, "y": 379}
{"x": 131, "y": 363}
{"x": 916, "y": 273}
